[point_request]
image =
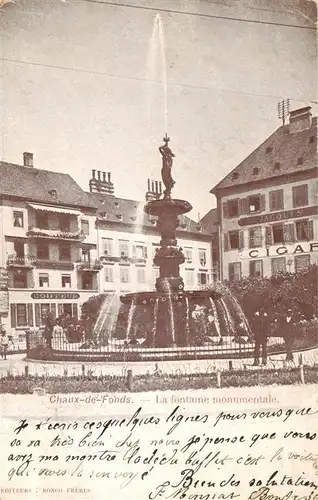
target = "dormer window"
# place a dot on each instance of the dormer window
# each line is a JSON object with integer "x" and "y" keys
{"x": 300, "y": 161}
{"x": 255, "y": 171}
{"x": 119, "y": 216}
{"x": 269, "y": 150}
{"x": 53, "y": 193}
{"x": 116, "y": 203}
{"x": 277, "y": 166}
{"x": 311, "y": 139}
{"x": 235, "y": 175}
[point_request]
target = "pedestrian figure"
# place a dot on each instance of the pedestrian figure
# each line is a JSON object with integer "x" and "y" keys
{"x": 288, "y": 333}
{"x": 4, "y": 341}
{"x": 260, "y": 326}
{"x": 48, "y": 330}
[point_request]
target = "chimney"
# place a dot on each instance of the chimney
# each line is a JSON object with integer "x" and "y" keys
{"x": 299, "y": 119}
{"x": 101, "y": 184}
{"x": 28, "y": 159}
{"x": 154, "y": 190}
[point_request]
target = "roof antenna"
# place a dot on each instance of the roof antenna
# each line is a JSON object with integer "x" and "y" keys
{"x": 283, "y": 107}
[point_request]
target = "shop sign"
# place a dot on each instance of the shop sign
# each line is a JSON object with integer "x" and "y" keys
{"x": 278, "y": 216}
{"x": 52, "y": 295}
{"x": 279, "y": 250}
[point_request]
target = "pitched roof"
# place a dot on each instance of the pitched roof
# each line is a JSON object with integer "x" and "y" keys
{"x": 35, "y": 184}
{"x": 278, "y": 155}
{"x": 210, "y": 220}
{"x": 132, "y": 212}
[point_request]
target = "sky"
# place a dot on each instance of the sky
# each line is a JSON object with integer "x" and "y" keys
{"x": 83, "y": 85}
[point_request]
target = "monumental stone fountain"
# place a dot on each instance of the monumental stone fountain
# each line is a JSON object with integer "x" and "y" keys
{"x": 171, "y": 317}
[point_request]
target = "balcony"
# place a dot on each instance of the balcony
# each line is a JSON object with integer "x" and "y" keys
{"x": 27, "y": 261}
{"x": 54, "y": 264}
{"x": 123, "y": 259}
{"x": 55, "y": 234}
{"x": 87, "y": 265}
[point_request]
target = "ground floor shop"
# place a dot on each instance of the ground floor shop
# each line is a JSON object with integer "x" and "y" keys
{"x": 29, "y": 308}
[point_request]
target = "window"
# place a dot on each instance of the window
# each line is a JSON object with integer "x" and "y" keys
{"x": 235, "y": 271}
{"x": 20, "y": 279}
{"x": 256, "y": 268}
{"x": 19, "y": 249}
{"x": 64, "y": 222}
{"x": 254, "y": 203}
{"x": 232, "y": 208}
{"x": 109, "y": 274}
{"x": 277, "y": 166}
{"x": 156, "y": 274}
{"x": 53, "y": 193}
{"x": 124, "y": 274}
{"x": 85, "y": 227}
{"x": 255, "y": 237}
{"x": 202, "y": 257}
{"x": 278, "y": 233}
{"x": 302, "y": 262}
{"x": 107, "y": 244}
{"x": 255, "y": 171}
{"x": 276, "y": 200}
{"x": 234, "y": 239}
{"x": 278, "y": 265}
{"x": 203, "y": 278}
{"x": 140, "y": 251}
{"x": 44, "y": 311}
{"x": 17, "y": 219}
{"x": 66, "y": 281}
{"x": 65, "y": 252}
{"x": 302, "y": 230}
{"x": 300, "y": 161}
{"x": 86, "y": 255}
{"x": 188, "y": 255}
{"x": 269, "y": 149}
{"x": 42, "y": 251}
{"x": 42, "y": 220}
{"x": 21, "y": 314}
{"x": 43, "y": 280}
{"x": 141, "y": 274}
{"x": 235, "y": 175}
{"x": 123, "y": 248}
{"x": 189, "y": 277}
{"x": 300, "y": 195}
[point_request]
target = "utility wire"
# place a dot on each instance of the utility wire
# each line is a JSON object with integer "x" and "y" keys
{"x": 139, "y": 79}
{"x": 198, "y": 14}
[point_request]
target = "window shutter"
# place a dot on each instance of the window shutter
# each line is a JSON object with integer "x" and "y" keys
{"x": 53, "y": 310}
{"x": 225, "y": 210}
{"x": 280, "y": 200}
{"x": 231, "y": 271}
{"x": 243, "y": 206}
{"x": 145, "y": 252}
{"x": 262, "y": 202}
{"x": 13, "y": 313}
{"x": 310, "y": 229}
{"x": 134, "y": 251}
{"x": 289, "y": 233}
{"x": 226, "y": 242}
{"x": 268, "y": 236}
{"x": 60, "y": 310}
{"x": 30, "y": 315}
{"x": 37, "y": 314}
{"x": 241, "y": 239}
{"x": 74, "y": 311}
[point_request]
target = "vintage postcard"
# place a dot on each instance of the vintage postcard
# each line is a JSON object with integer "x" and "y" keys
{"x": 158, "y": 250}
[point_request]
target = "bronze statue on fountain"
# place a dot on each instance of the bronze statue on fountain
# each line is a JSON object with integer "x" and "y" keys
{"x": 167, "y": 161}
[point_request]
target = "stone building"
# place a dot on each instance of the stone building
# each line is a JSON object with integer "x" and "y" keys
{"x": 267, "y": 205}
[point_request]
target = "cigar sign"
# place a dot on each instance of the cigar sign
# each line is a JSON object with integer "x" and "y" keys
{"x": 274, "y": 251}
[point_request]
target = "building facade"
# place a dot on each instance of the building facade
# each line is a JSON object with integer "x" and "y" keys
{"x": 267, "y": 206}
{"x": 60, "y": 244}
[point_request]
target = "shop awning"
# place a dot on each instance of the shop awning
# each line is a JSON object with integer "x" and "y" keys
{"x": 60, "y": 210}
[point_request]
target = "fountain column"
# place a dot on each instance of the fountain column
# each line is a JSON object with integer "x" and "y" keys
{"x": 168, "y": 256}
